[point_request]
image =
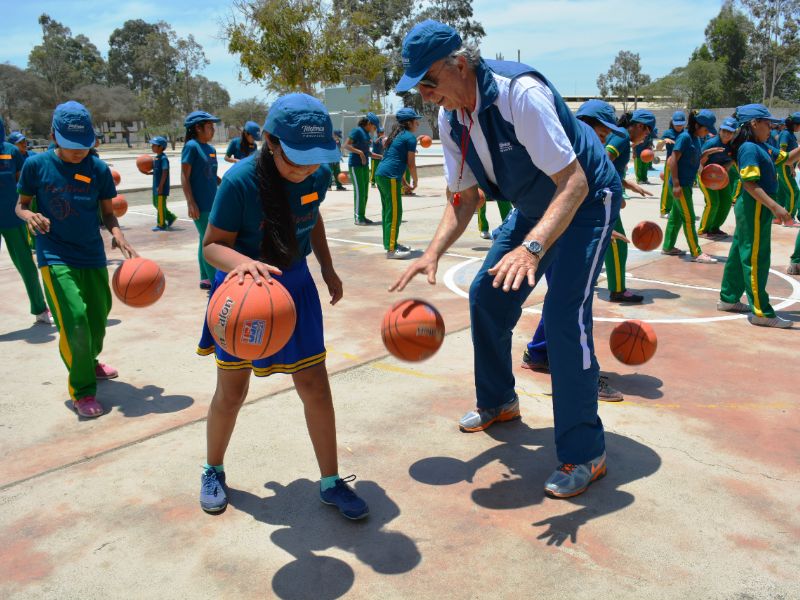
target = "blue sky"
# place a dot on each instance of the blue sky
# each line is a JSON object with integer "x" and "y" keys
{"x": 570, "y": 41}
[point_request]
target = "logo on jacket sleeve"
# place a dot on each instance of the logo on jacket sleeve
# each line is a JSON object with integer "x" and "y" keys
{"x": 505, "y": 147}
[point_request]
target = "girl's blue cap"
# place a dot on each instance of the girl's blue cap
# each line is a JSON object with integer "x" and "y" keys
{"x": 72, "y": 126}
{"x": 426, "y": 43}
{"x": 159, "y": 140}
{"x": 679, "y": 118}
{"x": 603, "y": 112}
{"x": 748, "y": 112}
{"x": 707, "y": 119}
{"x": 304, "y": 127}
{"x": 406, "y": 114}
{"x": 645, "y": 117}
{"x": 253, "y": 129}
{"x": 16, "y": 137}
{"x": 795, "y": 118}
{"x": 729, "y": 124}
{"x": 199, "y": 116}
{"x": 373, "y": 118}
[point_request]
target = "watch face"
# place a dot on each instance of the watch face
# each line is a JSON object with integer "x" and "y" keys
{"x": 533, "y": 247}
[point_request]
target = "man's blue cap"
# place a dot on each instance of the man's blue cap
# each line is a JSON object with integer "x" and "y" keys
{"x": 373, "y": 118}
{"x": 795, "y": 118}
{"x": 679, "y": 118}
{"x": 199, "y": 116}
{"x": 406, "y": 114}
{"x": 159, "y": 140}
{"x": 253, "y": 129}
{"x": 426, "y": 43}
{"x": 603, "y": 112}
{"x": 645, "y": 117}
{"x": 730, "y": 124}
{"x": 748, "y": 112}
{"x": 707, "y": 119}
{"x": 16, "y": 137}
{"x": 304, "y": 127}
{"x": 72, "y": 125}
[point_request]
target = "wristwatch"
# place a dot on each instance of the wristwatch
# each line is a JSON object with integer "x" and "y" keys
{"x": 533, "y": 247}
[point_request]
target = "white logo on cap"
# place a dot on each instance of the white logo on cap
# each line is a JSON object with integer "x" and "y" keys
{"x": 406, "y": 61}
{"x": 75, "y": 127}
{"x": 313, "y": 130}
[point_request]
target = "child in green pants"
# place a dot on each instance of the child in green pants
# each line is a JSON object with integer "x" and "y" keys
{"x": 70, "y": 184}
{"x": 164, "y": 217}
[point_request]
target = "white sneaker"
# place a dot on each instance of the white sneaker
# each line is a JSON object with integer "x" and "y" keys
{"x": 704, "y": 259}
{"x": 398, "y": 254}
{"x": 775, "y": 321}
{"x": 738, "y": 307}
{"x": 486, "y": 235}
{"x": 45, "y": 317}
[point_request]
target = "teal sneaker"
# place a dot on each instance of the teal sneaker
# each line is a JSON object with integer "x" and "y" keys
{"x": 481, "y": 418}
{"x": 570, "y": 480}
{"x": 213, "y": 498}
{"x": 345, "y": 499}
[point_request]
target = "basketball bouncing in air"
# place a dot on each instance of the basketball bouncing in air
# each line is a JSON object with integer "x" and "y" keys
{"x": 425, "y": 141}
{"x": 412, "y": 330}
{"x": 633, "y": 342}
{"x": 343, "y": 178}
{"x": 251, "y": 321}
{"x": 120, "y": 205}
{"x": 116, "y": 176}
{"x": 144, "y": 162}
{"x": 647, "y": 155}
{"x": 138, "y": 282}
{"x": 714, "y": 176}
{"x": 647, "y": 236}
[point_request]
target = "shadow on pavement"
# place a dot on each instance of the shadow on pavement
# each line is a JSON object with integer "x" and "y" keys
{"x": 137, "y": 402}
{"x": 650, "y": 295}
{"x": 530, "y": 458}
{"x": 637, "y": 384}
{"x": 309, "y": 527}
{"x": 39, "y": 333}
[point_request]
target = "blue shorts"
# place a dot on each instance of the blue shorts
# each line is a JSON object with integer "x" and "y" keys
{"x": 304, "y": 349}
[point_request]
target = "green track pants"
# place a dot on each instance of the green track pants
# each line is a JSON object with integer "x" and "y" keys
{"x": 359, "y": 176}
{"x": 19, "y": 251}
{"x": 682, "y": 217}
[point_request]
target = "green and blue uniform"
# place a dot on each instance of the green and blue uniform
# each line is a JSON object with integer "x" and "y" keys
{"x": 203, "y": 181}
{"x": 164, "y": 217}
{"x": 787, "y": 184}
{"x": 666, "y": 189}
{"x": 682, "y": 213}
{"x": 717, "y": 202}
{"x": 503, "y": 206}
{"x": 377, "y": 148}
{"x": 238, "y": 209}
{"x": 359, "y": 171}
{"x": 71, "y": 257}
{"x": 639, "y": 166}
{"x": 389, "y": 178}
{"x": 238, "y": 149}
{"x": 619, "y": 150}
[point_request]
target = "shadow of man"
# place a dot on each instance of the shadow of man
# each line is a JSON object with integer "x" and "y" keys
{"x": 309, "y": 527}
{"x": 138, "y": 402}
{"x": 529, "y": 456}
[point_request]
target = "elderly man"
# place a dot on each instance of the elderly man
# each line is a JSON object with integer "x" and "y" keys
{"x": 505, "y": 128}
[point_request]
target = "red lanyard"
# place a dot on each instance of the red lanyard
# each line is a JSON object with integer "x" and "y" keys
{"x": 464, "y": 149}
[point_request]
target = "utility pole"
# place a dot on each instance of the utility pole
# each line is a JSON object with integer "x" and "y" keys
{"x": 518, "y": 57}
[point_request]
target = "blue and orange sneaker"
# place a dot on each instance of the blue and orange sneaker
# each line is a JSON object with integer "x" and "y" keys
{"x": 213, "y": 498}
{"x": 571, "y": 480}
{"x": 481, "y": 418}
{"x": 345, "y": 499}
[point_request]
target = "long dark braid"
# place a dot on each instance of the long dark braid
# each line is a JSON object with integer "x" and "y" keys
{"x": 744, "y": 134}
{"x": 279, "y": 241}
{"x": 397, "y": 128}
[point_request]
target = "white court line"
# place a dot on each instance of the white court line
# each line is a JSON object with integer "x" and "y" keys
{"x": 153, "y": 214}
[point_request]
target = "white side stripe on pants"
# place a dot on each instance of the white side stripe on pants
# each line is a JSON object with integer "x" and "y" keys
{"x": 587, "y": 362}
{"x": 357, "y": 202}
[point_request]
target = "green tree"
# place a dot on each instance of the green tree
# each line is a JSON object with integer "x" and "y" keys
{"x": 130, "y": 58}
{"x": 25, "y": 99}
{"x": 116, "y": 103}
{"x": 249, "y": 109}
{"x": 727, "y": 36}
{"x": 190, "y": 59}
{"x": 623, "y": 79}
{"x": 209, "y": 95}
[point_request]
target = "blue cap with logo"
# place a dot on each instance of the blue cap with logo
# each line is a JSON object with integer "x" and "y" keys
{"x": 603, "y": 112}
{"x": 16, "y": 137}
{"x": 707, "y": 119}
{"x": 679, "y": 118}
{"x": 304, "y": 127}
{"x": 795, "y": 118}
{"x": 253, "y": 129}
{"x": 406, "y": 114}
{"x": 426, "y": 43}
{"x": 729, "y": 124}
{"x": 199, "y": 116}
{"x": 72, "y": 126}
{"x": 748, "y": 112}
{"x": 159, "y": 140}
{"x": 373, "y": 118}
{"x": 645, "y": 117}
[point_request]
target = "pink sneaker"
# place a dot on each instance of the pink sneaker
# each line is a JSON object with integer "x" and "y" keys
{"x": 88, "y": 407}
{"x": 103, "y": 371}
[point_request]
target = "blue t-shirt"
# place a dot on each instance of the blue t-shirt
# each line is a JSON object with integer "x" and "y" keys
{"x": 395, "y": 157}
{"x": 69, "y": 195}
{"x": 160, "y": 164}
{"x": 669, "y": 134}
{"x": 619, "y": 147}
{"x": 11, "y": 161}
{"x": 237, "y": 207}
{"x": 203, "y": 180}
{"x": 359, "y": 138}
{"x": 756, "y": 164}
{"x": 238, "y": 150}
{"x": 719, "y": 158}
{"x": 787, "y": 140}
{"x": 689, "y": 162}
{"x": 377, "y": 146}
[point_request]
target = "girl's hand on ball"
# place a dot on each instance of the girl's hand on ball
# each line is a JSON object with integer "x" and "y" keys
{"x": 258, "y": 270}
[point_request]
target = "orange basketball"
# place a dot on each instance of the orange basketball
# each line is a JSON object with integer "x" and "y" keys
{"x": 647, "y": 236}
{"x": 251, "y": 321}
{"x": 138, "y": 282}
{"x": 412, "y": 330}
{"x": 120, "y": 205}
{"x": 647, "y": 155}
{"x": 425, "y": 141}
{"x": 343, "y": 178}
{"x": 633, "y": 342}
{"x": 714, "y": 176}
{"x": 116, "y": 176}
{"x": 144, "y": 162}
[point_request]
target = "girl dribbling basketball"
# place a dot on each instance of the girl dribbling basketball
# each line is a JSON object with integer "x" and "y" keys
{"x": 264, "y": 223}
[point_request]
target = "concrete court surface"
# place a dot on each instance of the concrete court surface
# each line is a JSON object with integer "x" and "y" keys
{"x": 701, "y": 498}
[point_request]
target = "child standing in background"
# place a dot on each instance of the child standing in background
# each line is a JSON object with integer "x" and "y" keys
{"x": 164, "y": 217}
